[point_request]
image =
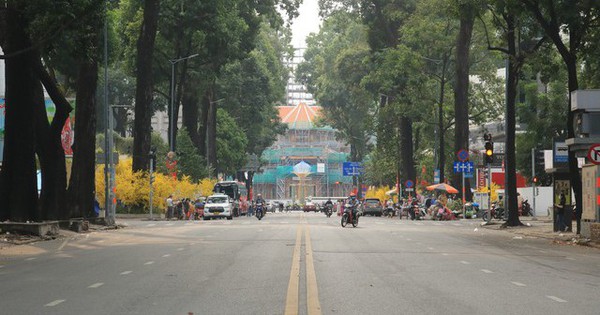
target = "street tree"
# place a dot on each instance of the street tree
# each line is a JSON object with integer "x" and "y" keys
{"x": 576, "y": 19}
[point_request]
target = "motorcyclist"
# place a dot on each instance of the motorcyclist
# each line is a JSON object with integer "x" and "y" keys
{"x": 328, "y": 205}
{"x": 353, "y": 201}
{"x": 259, "y": 200}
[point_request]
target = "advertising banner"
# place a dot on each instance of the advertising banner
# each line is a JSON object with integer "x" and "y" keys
{"x": 67, "y": 134}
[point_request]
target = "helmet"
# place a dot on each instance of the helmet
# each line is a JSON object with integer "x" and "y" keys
{"x": 259, "y": 195}
{"x": 352, "y": 195}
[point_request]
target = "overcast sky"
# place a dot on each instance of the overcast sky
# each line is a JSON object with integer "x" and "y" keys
{"x": 307, "y": 22}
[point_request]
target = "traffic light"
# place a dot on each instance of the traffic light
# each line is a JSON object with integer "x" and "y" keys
{"x": 489, "y": 152}
{"x": 535, "y": 179}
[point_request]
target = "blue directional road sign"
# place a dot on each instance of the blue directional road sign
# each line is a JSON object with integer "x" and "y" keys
{"x": 409, "y": 184}
{"x": 463, "y": 167}
{"x": 352, "y": 168}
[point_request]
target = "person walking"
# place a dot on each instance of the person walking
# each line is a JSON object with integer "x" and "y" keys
{"x": 169, "y": 207}
{"x": 560, "y": 212}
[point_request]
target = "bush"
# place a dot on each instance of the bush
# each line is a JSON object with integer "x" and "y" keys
{"x": 133, "y": 188}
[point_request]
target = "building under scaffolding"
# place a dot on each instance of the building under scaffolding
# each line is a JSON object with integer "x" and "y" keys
{"x": 303, "y": 142}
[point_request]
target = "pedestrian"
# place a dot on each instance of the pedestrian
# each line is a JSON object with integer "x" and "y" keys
{"x": 169, "y": 207}
{"x": 520, "y": 203}
{"x": 560, "y": 212}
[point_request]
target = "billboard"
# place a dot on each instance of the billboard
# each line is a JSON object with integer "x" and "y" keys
{"x": 67, "y": 134}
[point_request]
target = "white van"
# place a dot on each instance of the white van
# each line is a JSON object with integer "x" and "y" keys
{"x": 218, "y": 206}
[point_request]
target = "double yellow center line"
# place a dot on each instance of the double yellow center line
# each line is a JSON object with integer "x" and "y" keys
{"x": 312, "y": 292}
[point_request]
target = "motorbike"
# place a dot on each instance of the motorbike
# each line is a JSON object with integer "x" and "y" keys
{"x": 328, "y": 210}
{"x": 349, "y": 216}
{"x": 389, "y": 211}
{"x": 526, "y": 208}
{"x": 260, "y": 211}
{"x": 496, "y": 211}
{"x": 416, "y": 212}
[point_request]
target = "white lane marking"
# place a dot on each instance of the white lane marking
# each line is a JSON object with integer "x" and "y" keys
{"x": 430, "y": 248}
{"x": 149, "y": 262}
{"x": 409, "y": 239}
{"x": 517, "y": 237}
{"x": 55, "y": 302}
{"x": 96, "y": 285}
{"x": 557, "y": 299}
{"x": 166, "y": 255}
{"x": 30, "y": 258}
{"x": 456, "y": 224}
{"x": 180, "y": 249}
{"x": 445, "y": 254}
{"x": 151, "y": 224}
{"x": 464, "y": 262}
{"x": 126, "y": 272}
{"x": 569, "y": 258}
{"x": 62, "y": 245}
{"x": 192, "y": 244}
{"x": 486, "y": 271}
{"x": 1, "y": 266}
{"x": 542, "y": 251}
{"x": 518, "y": 284}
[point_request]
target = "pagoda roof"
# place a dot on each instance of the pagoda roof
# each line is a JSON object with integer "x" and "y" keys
{"x": 301, "y": 116}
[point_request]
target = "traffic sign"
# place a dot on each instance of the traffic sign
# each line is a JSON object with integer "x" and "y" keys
{"x": 409, "y": 184}
{"x": 462, "y": 155}
{"x": 463, "y": 167}
{"x": 594, "y": 154}
{"x": 410, "y": 189}
{"x": 352, "y": 168}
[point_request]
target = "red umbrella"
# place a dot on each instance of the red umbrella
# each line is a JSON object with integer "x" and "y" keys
{"x": 443, "y": 187}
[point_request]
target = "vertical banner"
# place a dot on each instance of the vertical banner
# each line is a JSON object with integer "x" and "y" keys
{"x": 2, "y": 113}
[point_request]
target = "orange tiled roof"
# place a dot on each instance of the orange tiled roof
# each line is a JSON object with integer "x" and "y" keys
{"x": 300, "y": 114}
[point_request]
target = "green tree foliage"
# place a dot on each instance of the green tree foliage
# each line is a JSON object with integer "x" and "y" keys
{"x": 252, "y": 86}
{"x": 337, "y": 60}
{"x": 231, "y": 144}
{"x": 189, "y": 161}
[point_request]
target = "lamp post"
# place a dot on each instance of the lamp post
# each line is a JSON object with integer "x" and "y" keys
{"x": 172, "y": 114}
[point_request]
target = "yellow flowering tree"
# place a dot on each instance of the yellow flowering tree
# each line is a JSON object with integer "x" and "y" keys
{"x": 379, "y": 193}
{"x": 494, "y": 191}
{"x": 133, "y": 188}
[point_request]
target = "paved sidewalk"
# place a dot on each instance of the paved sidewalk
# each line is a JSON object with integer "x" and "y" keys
{"x": 542, "y": 227}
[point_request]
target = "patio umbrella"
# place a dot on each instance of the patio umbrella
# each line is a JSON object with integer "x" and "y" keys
{"x": 391, "y": 192}
{"x": 443, "y": 187}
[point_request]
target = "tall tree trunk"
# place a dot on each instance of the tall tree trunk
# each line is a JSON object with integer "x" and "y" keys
{"x": 18, "y": 192}
{"x": 190, "y": 111}
{"x": 82, "y": 184}
{"x": 573, "y": 166}
{"x": 407, "y": 163}
{"x": 442, "y": 142}
{"x": 211, "y": 136}
{"x": 144, "y": 86}
{"x": 512, "y": 81}
{"x": 206, "y": 98}
{"x": 461, "y": 90}
{"x": 49, "y": 144}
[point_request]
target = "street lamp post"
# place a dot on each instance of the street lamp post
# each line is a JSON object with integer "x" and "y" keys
{"x": 172, "y": 114}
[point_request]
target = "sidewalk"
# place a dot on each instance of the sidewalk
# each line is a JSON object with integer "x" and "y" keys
{"x": 542, "y": 228}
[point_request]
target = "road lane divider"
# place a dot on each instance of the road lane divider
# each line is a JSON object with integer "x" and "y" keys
{"x": 291, "y": 302}
{"x": 312, "y": 292}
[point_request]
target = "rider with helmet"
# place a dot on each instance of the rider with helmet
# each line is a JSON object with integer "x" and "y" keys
{"x": 259, "y": 199}
{"x": 353, "y": 201}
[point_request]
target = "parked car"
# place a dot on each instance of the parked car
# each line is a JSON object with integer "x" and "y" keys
{"x": 310, "y": 206}
{"x": 372, "y": 206}
{"x": 218, "y": 206}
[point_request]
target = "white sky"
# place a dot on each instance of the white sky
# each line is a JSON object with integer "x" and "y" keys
{"x": 307, "y": 22}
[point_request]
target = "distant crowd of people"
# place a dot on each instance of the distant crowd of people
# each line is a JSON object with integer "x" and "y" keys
{"x": 184, "y": 209}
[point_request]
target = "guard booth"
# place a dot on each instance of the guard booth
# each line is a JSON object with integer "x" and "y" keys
{"x": 590, "y": 216}
{"x": 562, "y": 184}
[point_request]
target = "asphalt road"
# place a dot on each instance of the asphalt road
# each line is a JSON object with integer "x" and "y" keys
{"x": 299, "y": 263}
